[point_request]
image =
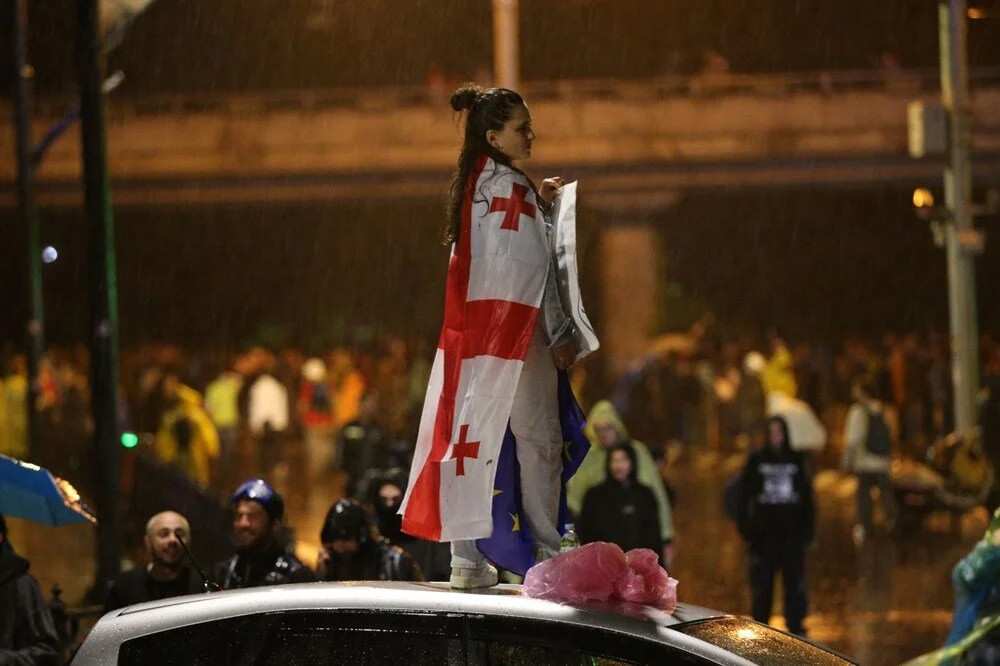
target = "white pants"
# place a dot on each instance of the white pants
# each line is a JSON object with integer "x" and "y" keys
{"x": 534, "y": 421}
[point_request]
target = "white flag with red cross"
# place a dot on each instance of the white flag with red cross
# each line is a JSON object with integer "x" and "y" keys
{"x": 496, "y": 277}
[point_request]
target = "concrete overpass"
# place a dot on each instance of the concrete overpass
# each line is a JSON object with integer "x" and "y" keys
{"x": 636, "y": 147}
{"x": 624, "y": 139}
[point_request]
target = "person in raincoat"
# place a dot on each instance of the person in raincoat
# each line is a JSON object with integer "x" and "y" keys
{"x": 778, "y": 375}
{"x": 14, "y": 410}
{"x": 621, "y": 510}
{"x": 605, "y": 429}
{"x": 975, "y": 627}
{"x": 186, "y": 437}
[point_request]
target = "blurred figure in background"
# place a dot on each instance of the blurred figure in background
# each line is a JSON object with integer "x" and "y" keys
{"x": 776, "y": 516}
{"x": 14, "y": 410}
{"x": 348, "y": 387}
{"x": 264, "y": 405}
{"x": 620, "y": 509}
{"x": 605, "y": 430}
{"x": 385, "y": 494}
{"x": 868, "y": 455}
{"x": 752, "y": 403}
{"x": 316, "y": 408}
{"x": 222, "y": 404}
{"x": 353, "y": 549}
{"x": 168, "y": 573}
{"x": 362, "y": 444}
{"x": 186, "y": 437}
{"x": 778, "y": 375}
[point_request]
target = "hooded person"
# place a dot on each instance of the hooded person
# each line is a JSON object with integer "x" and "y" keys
{"x": 752, "y": 400}
{"x": 620, "y": 510}
{"x": 187, "y": 438}
{"x": 353, "y": 549}
{"x": 385, "y": 494}
{"x": 776, "y": 516}
{"x": 27, "y": 633}
{"x": 604, "y": 430}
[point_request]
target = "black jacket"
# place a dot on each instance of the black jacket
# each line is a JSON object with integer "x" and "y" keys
{"x": 137, "y": 586}
{"x": 272, "y": 566}
{"x": 776, "y": 497}
{"x": 27, "y": 635}
{"x": 375, "y": 560}
{"x": 622, "y": 513}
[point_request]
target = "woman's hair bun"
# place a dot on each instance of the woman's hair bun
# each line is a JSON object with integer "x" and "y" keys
{"x": 465, "y": 97}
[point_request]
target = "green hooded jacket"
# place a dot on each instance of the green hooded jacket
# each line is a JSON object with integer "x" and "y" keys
{"x": 593, "y": 470}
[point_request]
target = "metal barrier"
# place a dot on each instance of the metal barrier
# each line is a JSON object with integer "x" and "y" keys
{"x": 68, "y": 622}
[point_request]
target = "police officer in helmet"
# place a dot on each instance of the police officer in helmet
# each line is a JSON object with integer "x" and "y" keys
{"x": 258, "y": 511}
{"x": 352, "y": 549}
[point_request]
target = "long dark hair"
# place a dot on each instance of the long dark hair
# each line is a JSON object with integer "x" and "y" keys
{"x": 488, "y": 109}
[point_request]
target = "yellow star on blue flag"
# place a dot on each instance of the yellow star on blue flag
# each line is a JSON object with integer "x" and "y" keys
{"x": 517, "y": 522}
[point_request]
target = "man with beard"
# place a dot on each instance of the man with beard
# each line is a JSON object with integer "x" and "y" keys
{"x": 259, "y": 560}
{"x": 354, "y": 550}
{"x": 167, "y": 574}
{"x": 386, "y": 495}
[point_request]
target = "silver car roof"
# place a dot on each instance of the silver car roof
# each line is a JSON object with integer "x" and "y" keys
{"x": 116, "y": 627}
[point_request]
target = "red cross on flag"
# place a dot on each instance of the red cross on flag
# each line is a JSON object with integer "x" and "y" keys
{"x": 494, "y": 290}
{"x": 514, "y": 207}
{"x": 463, "y": 449}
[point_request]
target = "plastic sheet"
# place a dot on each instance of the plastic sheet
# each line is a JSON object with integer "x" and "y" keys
{"x": 602, "y": 572}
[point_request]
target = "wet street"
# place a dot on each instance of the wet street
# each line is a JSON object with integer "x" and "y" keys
{"x": 882, "y": 603}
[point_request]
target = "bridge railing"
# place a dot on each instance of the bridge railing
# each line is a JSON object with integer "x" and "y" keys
{"x": 902, "y": 82}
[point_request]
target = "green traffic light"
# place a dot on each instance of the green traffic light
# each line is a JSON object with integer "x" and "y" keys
{"x": 129, "y": 440}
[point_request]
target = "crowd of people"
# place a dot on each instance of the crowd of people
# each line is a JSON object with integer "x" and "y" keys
{"x": 355, "y": 414}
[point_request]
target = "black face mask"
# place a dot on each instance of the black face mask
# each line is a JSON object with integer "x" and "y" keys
{"x": 389, "y": 522}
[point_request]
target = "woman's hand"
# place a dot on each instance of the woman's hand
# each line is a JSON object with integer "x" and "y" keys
{"x": 550, "y": 189}
{"x": 564, "y": 355}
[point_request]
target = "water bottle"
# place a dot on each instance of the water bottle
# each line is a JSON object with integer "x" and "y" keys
{"x": 570, "y": 541}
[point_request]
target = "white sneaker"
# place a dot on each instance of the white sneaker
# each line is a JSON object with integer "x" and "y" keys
{"x": 463, "y": 578}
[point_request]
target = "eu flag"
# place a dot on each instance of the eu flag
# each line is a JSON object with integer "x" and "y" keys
{"x": 511, "y": 546}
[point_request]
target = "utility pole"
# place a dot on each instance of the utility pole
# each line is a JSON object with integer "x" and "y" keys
{"x": 958, "y": 201}
{"x": 506, "y": 62}
{"x": 28, "y": 217}
{"x": 103, "y": 291}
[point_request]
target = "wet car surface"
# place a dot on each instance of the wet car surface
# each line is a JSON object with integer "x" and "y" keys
{"x": 417, "y": 623}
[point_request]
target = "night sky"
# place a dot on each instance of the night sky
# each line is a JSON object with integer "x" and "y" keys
{"x": 814, "y": 263}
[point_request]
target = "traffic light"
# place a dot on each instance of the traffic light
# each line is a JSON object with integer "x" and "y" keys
{"x": 130, "y": 440}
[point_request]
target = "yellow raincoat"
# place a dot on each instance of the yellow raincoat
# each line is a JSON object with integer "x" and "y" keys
{"x": 778, "y": 375}
{"x": 14, "y": 416}
{"x": 593, "y": 469}
{"x": 194, "y": 459}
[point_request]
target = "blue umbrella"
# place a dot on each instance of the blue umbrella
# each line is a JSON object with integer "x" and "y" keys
{"x": 30, "y": 492}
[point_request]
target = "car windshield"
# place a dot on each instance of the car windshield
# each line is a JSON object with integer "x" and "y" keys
{"x": 759, "y": 643}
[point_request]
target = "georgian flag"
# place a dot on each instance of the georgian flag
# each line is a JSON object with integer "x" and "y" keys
{"x": 496, "y": 277}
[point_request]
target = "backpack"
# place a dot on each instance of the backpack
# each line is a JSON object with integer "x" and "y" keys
{"x": 878, "y": 441}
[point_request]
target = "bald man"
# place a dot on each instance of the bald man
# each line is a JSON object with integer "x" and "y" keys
{"x": 168, "y": 573}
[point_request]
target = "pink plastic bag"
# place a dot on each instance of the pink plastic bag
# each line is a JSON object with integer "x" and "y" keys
{"x": 587, "y": 573}
{"x": 601, "y": 572}
{"x": 646, "y": 581}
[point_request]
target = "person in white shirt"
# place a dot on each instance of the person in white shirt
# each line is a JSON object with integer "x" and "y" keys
{"x": 867, "y": 454}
